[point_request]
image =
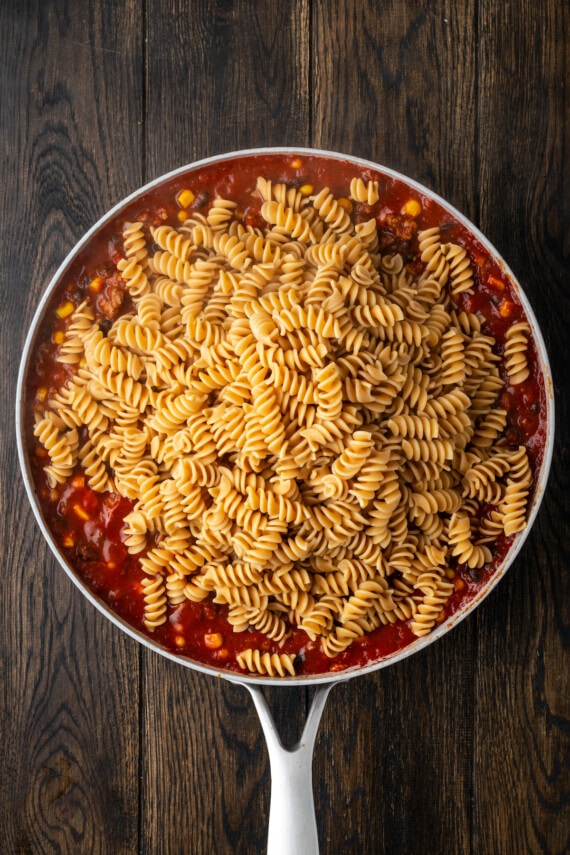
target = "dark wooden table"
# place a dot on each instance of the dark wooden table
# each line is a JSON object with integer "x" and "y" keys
{"x": 105, "y": 746}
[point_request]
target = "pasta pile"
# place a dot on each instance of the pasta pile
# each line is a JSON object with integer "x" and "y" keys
{"x": 308, "y": 430}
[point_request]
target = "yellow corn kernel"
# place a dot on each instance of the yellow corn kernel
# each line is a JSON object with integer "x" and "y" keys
{"x": 506, "y": 309}
{"x": 346, "y": 204}
{"x": 185, "y": 198}
{"x": 96, "y": 284}
{"x": 58, "y": 337}
{"x": 449, "y": 573}
{"x": 65, "y": 310}
{"x": 412, "y": 208}
{"x": 182, "y": 215}
{"x": 213, "y": 640}
{"x": 458, "y": 584}
{"x": 41, "y": 394}
{"x": 496, "y": 284}
{"x": 81, "y": 512}
{"x": 179, "y": 640}
{"x": 68, "y": 540}
{"x": 296, "y": 163}
{"x": 306, "y": 189}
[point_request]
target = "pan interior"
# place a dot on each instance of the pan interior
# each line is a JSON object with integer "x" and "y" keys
{"x": 51, "y": 295}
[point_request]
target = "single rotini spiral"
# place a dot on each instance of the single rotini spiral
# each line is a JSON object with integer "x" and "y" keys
{"x": 95, "y": 468}
{"x": 154, "y": 589}
{"x": 461, "y": 545}
{"x": 270, "y": 664}
{"x": 364, "y": 191}
{"x": 172, "y": 241}
{"x": 432, "y": 254}
{"x": 137, "y": 527}
{"x": 134, "y": 242}
{"x": 149, "y": 311}
{"x": 437, "y": 501}
{"x": 460, "y": 268}
{"x": 453, "y": 360}
{"x": 368, "y": 592}
{"x": 293, "y": 223}
{"x": 354, "y": 456}
{"x": 71, "y": 351}
{"x": 480, "y": 480}
{"x": 438, "y": 450}
{"x": 514, "y": 505}
{"x": 320, "y": 620}
{"x": 232, "y": 249}
{"x": 414, "y": 426}
{"x": 60, "y": 444}
{"x": 490, "y": 426}
{"x": 430, "y": 608}
{"x": 516, "y": 345}
{"x": 321, "y": 322}
{"x": 333, "y": 214}
{"x": 134, "y": 275}
{"x": 221, "y": 212}
{"x": 100, "y": 350}
{"x": 328, "y": 393}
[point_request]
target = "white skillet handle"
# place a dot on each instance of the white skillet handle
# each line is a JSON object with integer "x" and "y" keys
{"x": 292, "y": 822}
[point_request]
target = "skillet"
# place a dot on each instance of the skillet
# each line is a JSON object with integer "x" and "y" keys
{"x": 292, "y": 826}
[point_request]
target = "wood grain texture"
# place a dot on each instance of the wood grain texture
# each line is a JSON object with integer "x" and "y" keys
{"x": 70, "y": 724}
{"x": 396, "y": 83}
{"x": 223, "y": 76}
{"x": 522, "y": 785}
{"x": 399, "y": 779}
{"x": 108, "y": 748}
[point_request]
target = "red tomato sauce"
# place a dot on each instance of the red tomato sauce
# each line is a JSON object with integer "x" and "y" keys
{"x": 88, "y": 526}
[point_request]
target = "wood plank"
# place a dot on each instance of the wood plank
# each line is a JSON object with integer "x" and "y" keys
{"x": 70, "y": 718}
{"x": 393, "y": 759}
{"x": 394, "y": 764}
{"x": 226, "y": 82}
{"x": 397, "y": 85}
{"x": 523, "y": 668}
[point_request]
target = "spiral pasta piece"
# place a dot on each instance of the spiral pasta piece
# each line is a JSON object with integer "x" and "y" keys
{"x": 461, "y": 545}
{"x": 516, "y": 345}
{"x": 174, "y": 242}
{"x": 270, "y": 664}
{"x": 364, "y": 191}
{"x": 134, "y": 275}
{"x": 134, "y": 243}
{"x": 287, "y": 219}
{"x": 460, "y": 269}
{"x": 155, "y": 601}
{"x": 328, "y": 208}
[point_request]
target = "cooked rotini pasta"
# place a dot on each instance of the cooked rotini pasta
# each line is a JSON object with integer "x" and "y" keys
{"x": 306, "y": 417}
